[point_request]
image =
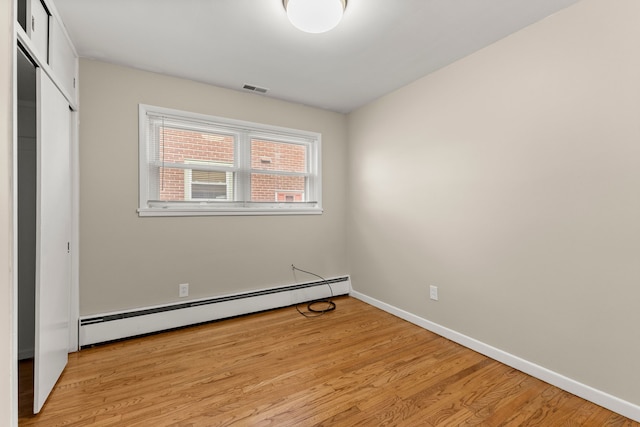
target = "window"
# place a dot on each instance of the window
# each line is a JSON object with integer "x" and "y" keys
{"x": 192, "y": 164}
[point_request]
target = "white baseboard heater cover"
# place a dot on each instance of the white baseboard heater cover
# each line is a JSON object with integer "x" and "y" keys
{"x": 101, "y": 328}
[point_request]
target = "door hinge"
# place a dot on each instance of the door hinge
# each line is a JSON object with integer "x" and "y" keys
{"x": 33, "y": 23}
{"x": 68, "y": 247}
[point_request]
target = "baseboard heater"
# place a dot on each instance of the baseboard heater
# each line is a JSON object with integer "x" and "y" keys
{"x": 97, "y": 329}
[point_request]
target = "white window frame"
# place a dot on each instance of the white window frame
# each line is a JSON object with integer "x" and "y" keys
{"x": 243, "y": 132}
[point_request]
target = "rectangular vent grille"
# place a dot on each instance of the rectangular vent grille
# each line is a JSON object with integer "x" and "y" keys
{"x": 253, "y": 88}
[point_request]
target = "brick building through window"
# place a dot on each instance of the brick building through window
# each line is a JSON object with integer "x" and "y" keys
{"x": 269, "y": 160}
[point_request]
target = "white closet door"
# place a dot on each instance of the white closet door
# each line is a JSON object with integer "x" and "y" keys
{"x": 53, "y": 234}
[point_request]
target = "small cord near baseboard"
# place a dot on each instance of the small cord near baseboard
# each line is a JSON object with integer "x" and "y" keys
{"x": 312, "y": 310}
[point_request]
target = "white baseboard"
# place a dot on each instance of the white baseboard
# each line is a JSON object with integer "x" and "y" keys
{"x": 586, "y": 392}
{"x": 100, "y": 328}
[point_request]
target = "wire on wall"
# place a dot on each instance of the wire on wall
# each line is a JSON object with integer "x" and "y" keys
{"x": 317, "y": 307}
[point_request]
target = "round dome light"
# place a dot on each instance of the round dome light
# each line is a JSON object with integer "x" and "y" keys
{"x": 315, "y": 16}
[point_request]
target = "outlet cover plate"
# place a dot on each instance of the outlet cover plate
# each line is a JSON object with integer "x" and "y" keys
{"x": 183, "y": 290}
{"x": 433, "y": 292}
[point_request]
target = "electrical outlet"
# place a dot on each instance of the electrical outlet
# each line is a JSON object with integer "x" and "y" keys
{"x": 183, "y": 290}
{"x": 433, "y": 292}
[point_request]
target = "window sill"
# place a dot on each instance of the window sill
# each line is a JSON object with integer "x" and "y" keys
{"x": 228, "y": 212}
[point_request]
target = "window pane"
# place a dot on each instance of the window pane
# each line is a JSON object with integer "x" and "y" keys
{"x": 208, "y": 191}
{"x": 275, "y": 188}
{"x": 209, "y": 177}
{"x": 177, "y": 184}
{"x": 278, "y": 156}
{"x": 171, "y": 184}
{"x": 209, "y": 185}
{"x": 187, "y": 147}
{"x": 178, "y": 145}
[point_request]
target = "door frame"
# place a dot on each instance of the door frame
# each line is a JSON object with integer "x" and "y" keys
{"x": 29, "y": 49}
{"x": 18, "y": 36}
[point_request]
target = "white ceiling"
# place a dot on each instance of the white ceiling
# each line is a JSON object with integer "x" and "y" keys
{"x": 379, "y": 46}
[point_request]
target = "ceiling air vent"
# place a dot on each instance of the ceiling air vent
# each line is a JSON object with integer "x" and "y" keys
{"x": 253, "y": 88}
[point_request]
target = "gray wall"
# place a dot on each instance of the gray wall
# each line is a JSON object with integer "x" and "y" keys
{"x": 510, "y": 179}
{"x": 127, "y": 261}
{"x": 27, "y": 183}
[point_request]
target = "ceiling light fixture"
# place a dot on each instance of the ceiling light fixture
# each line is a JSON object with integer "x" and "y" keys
{"x": 315, "y": 16}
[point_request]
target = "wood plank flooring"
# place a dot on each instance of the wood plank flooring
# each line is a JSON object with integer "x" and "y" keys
{"x": 356, "y": 366}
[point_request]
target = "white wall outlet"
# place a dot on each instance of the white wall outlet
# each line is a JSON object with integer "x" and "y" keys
{"x": 433, "y": 292}
{"x": 183, "y": 290}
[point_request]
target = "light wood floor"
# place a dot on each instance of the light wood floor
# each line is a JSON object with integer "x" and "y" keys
{"x": 356, "y": 366}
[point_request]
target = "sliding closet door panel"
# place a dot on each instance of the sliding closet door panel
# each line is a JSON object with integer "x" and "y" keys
{"x": 53, "y": 231}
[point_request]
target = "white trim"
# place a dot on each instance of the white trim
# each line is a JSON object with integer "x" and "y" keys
{"x": 12, "y": 233}
{"x": 288, "y": 134}
{"x": 584, "y": 391}
{"x": 74, "y": 303}
{"x": 276, "y": 209}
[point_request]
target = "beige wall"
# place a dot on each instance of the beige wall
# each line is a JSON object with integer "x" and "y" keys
{"x": 8, "y": 359}
{"x": 511, "y": 180}
{"x": 128, "y": 262}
